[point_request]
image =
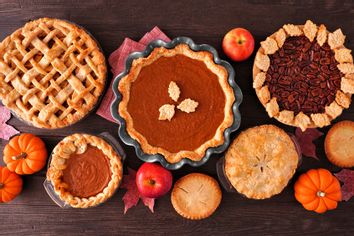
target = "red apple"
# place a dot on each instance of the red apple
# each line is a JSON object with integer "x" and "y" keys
{"x": 238, "y": 44}
{"x": 153, "y": 180}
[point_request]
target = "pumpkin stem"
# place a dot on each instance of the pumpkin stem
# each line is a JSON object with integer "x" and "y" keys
{"x": 321, "y": 194}
{"x": 1, "y": 185}
{"x": 20, "y": 156}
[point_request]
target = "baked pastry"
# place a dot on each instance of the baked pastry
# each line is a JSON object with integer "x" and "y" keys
{"x": 304, "y": 75}
{"x": 51, "y": 73}
{"x": 339, "y": 144}
{"x": 196, "y": 196}
{"x": 85, "y": 170}
{"x": 261, "y": 161}
{"x": 176, "y": 102}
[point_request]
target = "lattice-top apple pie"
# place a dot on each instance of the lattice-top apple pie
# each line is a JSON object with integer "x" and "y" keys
{"x": 51, "y": 73}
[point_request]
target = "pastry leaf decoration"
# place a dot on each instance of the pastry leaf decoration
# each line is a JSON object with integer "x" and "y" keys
{"x": 346, "y": 176}
{"x": 305, "y": 140}
{"x": 167, "y": 111}
{"x": 188, "y": 105}
{"x": 132, "y": 195}
{"x": 174, "y": 91}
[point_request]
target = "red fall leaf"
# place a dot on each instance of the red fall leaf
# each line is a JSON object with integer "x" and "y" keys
{"x": 132, "y": 196}
{"x": 347, "y": 178}
{"x": 305, "y": 141}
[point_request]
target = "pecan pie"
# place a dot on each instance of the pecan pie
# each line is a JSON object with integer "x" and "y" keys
{"x": 177, "y": 102}
{"x": 85, "y": 170}
{"x": 303, "y": 75}
{"x": 51, "y": 73}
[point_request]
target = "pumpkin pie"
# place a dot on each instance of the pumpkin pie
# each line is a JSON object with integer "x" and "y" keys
{"x": 52, "y": 73}
{"x": 261, "y": 161}
{"x": 85, "y": 170}
{"x": 176, "y": 102}
{"x": 304, "y": 75}
{"x": 196, "y": 196}
{"x": 339, "y": 144}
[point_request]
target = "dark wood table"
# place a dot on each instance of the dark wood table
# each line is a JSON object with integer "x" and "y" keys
{"x": 206, "y": 21}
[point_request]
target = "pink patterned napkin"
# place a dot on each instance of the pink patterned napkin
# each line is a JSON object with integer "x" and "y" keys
{"x": 6, "y": 131}
{"x": 117, "y": 62}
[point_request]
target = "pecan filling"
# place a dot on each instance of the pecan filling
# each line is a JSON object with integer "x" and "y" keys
{"x": 303, "y": 76}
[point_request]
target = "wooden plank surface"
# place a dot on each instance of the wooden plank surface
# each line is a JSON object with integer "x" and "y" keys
{"x": 206, "y": 21}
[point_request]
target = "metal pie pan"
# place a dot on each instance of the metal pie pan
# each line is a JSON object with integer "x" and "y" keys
{"x": 127, "y": 139}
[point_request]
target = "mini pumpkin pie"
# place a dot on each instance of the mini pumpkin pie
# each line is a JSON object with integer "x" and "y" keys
{"x": 304, "y": 75}
{"x": 52, "y": 73}
{"x": 85, "y": 170}
{"x": 261, "y": 161}
{"x": 339, "y": 144}
{"x": 176, "y": 102}
{"x": 196, "y": 196}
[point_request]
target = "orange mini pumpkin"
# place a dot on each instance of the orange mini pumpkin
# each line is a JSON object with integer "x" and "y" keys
{"x": 318, "y": 190}
{"x": 25, "y": 154}
{"x": 10, "y": 185}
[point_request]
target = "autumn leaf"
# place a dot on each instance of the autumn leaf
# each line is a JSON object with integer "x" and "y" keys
{"x": 346, "y": 176}
{"x": 305, "y": 141}
{"x": 132, "y": 196}
{"x": 6, "y": 131}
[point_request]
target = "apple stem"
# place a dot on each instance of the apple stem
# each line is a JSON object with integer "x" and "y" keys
{"x": 151, "y": 181}
{"x": 1, "y": 185}
{"x": 20, "y": 156}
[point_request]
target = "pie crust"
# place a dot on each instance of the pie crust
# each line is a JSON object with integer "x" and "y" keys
{"x": 220, "y": 71}
{"x": 339, "y": 144}
{"x": 342, "y": 56}
{"x": 261, "y": 161}
{"x": 51, "y": 73}
{"x": 77, "y": 143}
{"x": 196, "y": 196}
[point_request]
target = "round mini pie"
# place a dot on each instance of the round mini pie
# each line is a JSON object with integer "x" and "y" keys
{"x": 261, "y": 161}
{"x": 196, "y": 196}
{"x": 303, "y": 75}
{"x": 85, "y": 170}
{"x": 176, "y": 102}
{"x": 339, "y": 144}
{"x": 51, "y": 73}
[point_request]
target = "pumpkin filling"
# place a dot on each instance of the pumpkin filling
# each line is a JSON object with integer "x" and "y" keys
{"x": 186, "y": 131}
{"x": 87, "y": 174}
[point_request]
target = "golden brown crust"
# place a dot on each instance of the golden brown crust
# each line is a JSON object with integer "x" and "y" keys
{"x": 196, "y": 196}
{"x": 261, "y": 161}
{"x": 339, "y": 144}
{"x": 343, "y": 57}
{"x": 51, "y": 73}
{"x": 207, "y": 58}
{"x": 77, "y": 143}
